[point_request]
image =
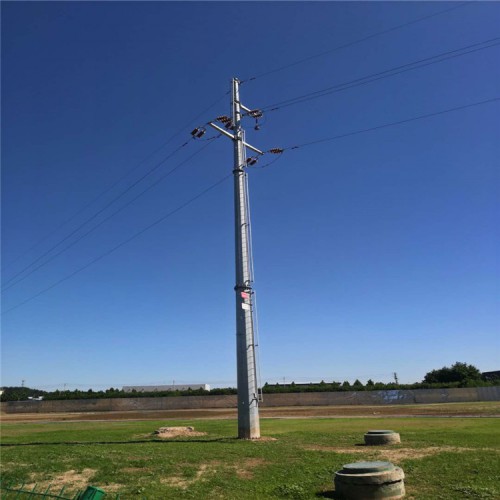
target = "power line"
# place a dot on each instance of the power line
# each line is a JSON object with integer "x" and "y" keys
{"x": 296, "y": 100}
{"x": 114, "y": 184}
{"x": 96, "y": 214}
{"x": 349, "y": 44}
{"x": 267, "y": 164}
{"x": 378, "y": 127}
{"x": 444, "y": 56}
{"x": 392, "y": 124}
{"x": 91, "y": 230}
{"x": 124, "y": 242}
{"x": 279, "y": 151}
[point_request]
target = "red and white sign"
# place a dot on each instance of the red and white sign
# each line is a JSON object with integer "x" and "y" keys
{"x": 245, "y": 295}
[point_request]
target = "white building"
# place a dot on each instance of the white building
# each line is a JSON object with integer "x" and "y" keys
{"x": 158, "y": 388}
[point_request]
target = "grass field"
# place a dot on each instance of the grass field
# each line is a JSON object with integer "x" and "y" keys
{"x": 443, "y": 458}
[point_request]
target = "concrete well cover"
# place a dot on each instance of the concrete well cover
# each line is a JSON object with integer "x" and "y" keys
{"x": 367, "y": 467}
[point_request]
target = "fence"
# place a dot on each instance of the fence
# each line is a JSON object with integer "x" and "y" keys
{"x": 418, "y": 396}
{"x": 90, "y": 493}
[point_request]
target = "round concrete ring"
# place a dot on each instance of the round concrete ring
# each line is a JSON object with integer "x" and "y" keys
{"x": 373, "y": 438}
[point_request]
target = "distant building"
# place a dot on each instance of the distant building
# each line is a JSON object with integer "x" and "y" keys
{"x": 490, "y": 376}
{"x": 158, "y": 388}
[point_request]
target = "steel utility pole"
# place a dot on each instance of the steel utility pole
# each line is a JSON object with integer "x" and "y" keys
{"x": 248, "y": 399}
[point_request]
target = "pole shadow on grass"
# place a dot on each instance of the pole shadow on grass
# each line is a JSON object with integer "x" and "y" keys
{"x": 327, "y": 494}
{"x": 137, "y": 441}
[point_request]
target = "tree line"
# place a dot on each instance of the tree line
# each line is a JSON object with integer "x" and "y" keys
{"x": 457, "y": 375}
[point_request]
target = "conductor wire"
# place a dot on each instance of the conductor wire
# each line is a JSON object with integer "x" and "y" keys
{"x": 349, "y": 44}
{"x": 91, "y": 230}
{"x": 124, "y": 242}
{"x": 392, "y": 124}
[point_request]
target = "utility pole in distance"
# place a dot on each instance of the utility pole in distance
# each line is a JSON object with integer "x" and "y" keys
{"x": 248, "y": 399}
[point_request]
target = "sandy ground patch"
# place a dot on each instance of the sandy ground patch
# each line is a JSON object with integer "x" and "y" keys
{"x": 392, "y": 455}
{"x": 183, "y": 482}
{"x": 171, "y": 432}
{"x": 243, "y": 469}
{"x": 111, "y": 487}
{"x": 71, "y": 480}
{"x": 479, "y": 409}
{"x": 8, "y": 465}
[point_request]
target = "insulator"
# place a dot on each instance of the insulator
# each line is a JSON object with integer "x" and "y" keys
{"x": 223, "y": 119}
{"x": 256, "y": 113}
{"x": 201, "y": 133}
{"x": 229, "y": 124}
{"x": 276, "y": 151}
{"x": 195, "y": 131}
{"x": 252, "y": 160}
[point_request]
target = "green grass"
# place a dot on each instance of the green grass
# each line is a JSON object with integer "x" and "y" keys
{"x": 443, "y": 458}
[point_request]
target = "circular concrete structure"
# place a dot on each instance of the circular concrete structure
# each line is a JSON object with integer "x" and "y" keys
{"x": 369, "y": 480}
{"x": 378, "y": 437}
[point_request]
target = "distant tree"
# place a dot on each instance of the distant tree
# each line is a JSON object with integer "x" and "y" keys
{"x": 346, "y": 385}
{"x": 370, "y": 383}
{"x": 459, "y": 372}
{"x": 20, "y": 393}
{"x": 358, "y": 385}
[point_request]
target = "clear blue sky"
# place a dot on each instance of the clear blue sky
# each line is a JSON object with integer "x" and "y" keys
{"x": 375, "y": 253}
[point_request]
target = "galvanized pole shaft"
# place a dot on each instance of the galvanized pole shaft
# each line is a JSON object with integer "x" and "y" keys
{"x": 248, "y": 407}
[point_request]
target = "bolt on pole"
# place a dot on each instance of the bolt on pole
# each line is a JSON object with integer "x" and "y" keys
{"x": 248, "y": 404}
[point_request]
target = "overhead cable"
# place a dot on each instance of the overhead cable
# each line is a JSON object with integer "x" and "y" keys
{"x": 91, "y": 230}
{"x": 392, "y": 124}
{"x": 384, "y": 74}
{"x": 124, "y": 242}
{"x": 349, "y": 44}
{"x": 268, "y": 164}
{"x": 276, "y": 151}
{"x": 115, "y": 183}
{"x": 96, "y": 214}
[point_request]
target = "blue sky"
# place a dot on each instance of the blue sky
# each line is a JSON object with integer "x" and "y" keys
{"x": 375, "y": 253}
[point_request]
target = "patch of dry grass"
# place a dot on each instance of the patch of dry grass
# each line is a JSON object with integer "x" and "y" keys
{"x": 71, "y": 480}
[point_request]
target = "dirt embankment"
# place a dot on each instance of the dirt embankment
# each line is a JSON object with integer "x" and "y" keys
{"x": 483, "y": 409}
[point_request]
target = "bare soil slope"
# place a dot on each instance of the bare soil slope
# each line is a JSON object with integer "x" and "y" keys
{"x": 480, "y": 409}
